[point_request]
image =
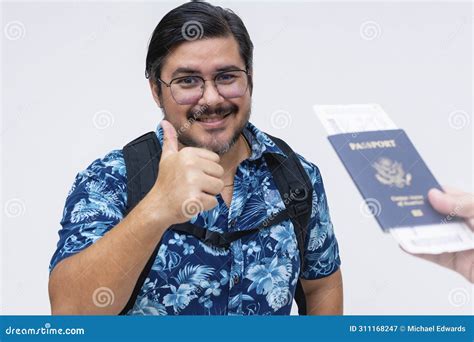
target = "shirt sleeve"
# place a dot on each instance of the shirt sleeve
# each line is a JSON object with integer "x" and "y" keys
{"x": 95, "y": 203}
{"x": 321, "y": 255}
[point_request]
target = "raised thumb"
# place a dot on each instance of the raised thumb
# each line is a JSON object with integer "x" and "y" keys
{"x": 170, "y": 138}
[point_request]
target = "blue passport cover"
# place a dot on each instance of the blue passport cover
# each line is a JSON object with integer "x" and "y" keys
{"x": 391, "y": 176}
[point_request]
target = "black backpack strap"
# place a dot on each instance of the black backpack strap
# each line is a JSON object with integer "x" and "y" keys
{"x": 296, "y": 190}
{"x": 223, "y": 240}
{"x": 142, "y": 157}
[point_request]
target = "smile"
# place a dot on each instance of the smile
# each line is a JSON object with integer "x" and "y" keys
{"x": 212, "y": 121}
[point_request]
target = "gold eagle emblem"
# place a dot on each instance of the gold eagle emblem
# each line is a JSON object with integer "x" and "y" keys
{"x": 391, "y": 173}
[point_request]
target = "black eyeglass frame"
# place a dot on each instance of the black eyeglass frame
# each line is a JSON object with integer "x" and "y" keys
{"x": 204, "y": 81}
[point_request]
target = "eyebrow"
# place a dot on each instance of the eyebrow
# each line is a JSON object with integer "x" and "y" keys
{"x": 188, "y": 71}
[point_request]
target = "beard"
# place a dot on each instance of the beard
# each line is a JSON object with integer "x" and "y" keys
{"x": 215, "y": 145}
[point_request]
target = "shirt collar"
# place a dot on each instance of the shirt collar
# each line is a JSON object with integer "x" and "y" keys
{"x": 259, "y": 141}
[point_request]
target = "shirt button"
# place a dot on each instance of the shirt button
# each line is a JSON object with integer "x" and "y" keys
{"x": 235, "y": 279}
{"x": 232, "y": 222}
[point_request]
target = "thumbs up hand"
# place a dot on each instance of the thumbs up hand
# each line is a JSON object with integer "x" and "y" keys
{"x": 188, "y": 180}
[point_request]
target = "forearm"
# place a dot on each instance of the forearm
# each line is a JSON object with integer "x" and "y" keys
{"x": 115, "y": 261}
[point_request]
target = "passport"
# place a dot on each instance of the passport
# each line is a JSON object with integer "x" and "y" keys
{"x": 391, "y": 176}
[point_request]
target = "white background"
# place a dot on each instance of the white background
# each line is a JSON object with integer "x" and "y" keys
{"x": 65, "y": 63}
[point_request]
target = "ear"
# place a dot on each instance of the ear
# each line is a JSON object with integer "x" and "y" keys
{"x": 154, "y": 91}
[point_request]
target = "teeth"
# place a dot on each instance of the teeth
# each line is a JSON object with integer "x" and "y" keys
{"x": 212, "y": 118}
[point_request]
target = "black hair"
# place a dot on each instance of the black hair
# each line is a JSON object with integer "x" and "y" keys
{"x": 191, "y": 21}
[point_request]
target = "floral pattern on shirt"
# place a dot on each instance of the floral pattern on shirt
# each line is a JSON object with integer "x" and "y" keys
{"x": 257, "y": 275}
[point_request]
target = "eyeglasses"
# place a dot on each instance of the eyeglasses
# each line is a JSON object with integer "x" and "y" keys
{"x": 189, "y": 89}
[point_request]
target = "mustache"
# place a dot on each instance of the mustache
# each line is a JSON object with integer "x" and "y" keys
{"x": 195, "y": 113}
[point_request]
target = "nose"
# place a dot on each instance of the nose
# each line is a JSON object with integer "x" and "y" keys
{"x": 210, "y": 95}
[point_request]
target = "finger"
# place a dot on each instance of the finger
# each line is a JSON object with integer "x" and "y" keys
{"x": 170, "y": 139}
{"x": 470, "y": 223}
{"x": 203, "y": 153}
{"x": 212, "y": 185}
{"x": 211, "y": 168}
{"x": 461, "y": 205}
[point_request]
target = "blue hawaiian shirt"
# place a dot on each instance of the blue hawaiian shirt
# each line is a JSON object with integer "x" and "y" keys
{"x": 257, "y": 275}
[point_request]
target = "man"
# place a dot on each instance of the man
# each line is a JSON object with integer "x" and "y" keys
{"x": 212, "y": 169}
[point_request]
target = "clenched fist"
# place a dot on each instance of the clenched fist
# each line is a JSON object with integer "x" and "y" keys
{"x": 188, "y": 180}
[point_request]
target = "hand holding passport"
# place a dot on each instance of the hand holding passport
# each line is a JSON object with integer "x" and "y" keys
{"x": 462, "y": 204}
{"x": 393, "y": 179}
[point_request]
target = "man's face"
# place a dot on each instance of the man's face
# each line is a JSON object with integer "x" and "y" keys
{"x": 213, "y": 122}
